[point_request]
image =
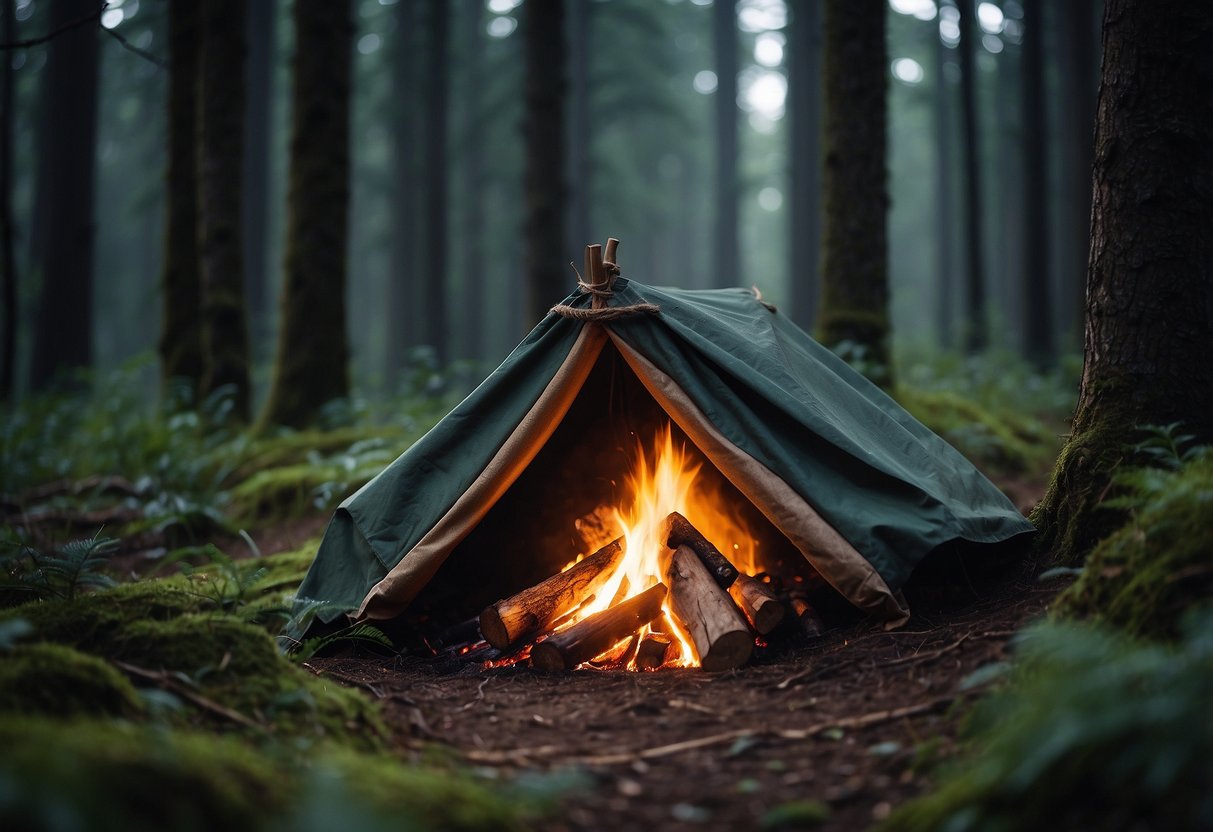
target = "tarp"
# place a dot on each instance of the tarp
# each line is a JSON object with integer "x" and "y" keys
{"x": 789, "y": 422}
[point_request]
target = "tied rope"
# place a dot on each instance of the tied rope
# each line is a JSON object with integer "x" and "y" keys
{"x": 601, "y": 293}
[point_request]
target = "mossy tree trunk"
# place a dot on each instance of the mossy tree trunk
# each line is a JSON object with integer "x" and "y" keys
{"x": 180, "y": 343}
{"x": 220, "y": 158}
{"x": 313, "y": 352}
{"x": 976, "y": 322}
{"x": 854, "y": 274}
{"x": 63, "y": 245}
{"x": 1149, "y": 309}
{"x": 804, "y": 205}
{"x": 548, "y": 279}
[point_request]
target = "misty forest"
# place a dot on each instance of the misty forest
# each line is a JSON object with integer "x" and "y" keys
{"x": 596, "y": 414}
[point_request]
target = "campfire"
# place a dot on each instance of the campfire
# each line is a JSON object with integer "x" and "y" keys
{"x": 670, "y": 577}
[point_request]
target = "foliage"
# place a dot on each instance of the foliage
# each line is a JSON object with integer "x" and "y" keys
{"x": 1142, "y": 577}
{"x": 61, "y": 573}
{"x": 53, "y": 680}
{"x": 1094, "y": 731}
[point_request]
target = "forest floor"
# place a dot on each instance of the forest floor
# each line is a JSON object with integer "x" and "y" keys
{"x": 830, "y": 735}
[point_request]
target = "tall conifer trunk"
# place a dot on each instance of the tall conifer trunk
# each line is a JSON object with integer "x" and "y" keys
{"x": 8, "y": 265}
{"x": 220, "y": 167}
{"x": 181, "y": 323}
{"x": 1148, "y": 352}
{"x": 727, "y": 258}
{"x": 976, "y": 334}
{"x": 544, "y": 131}
{"x": 855, "y": 288}
{"x": 402, "y": 308}
{"x": 313, "y": 352}
{"x": 434, "y": 246}
{"x": 63, "y": 336}
{"x": 804, "y": 105}
{"x": 1037, "y": 297}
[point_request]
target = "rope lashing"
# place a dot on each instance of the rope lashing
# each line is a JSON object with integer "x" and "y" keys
{"x": 601, "y": 290}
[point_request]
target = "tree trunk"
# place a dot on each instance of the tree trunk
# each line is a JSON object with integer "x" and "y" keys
{"x": 403, "y": 319}
{"x": 945, "y": 210}
{"x": 580, "y": 137}
{"x": 543, "y": 128}
{"x": 804, "y": 105}
{"x": 976, "y": 333}
{"x": 1079, "y": 79}
{"x": 313, "y": 350}
{"x": 63, "y": 337}
{"x": 262, "y": 36}
{"x": 181, "y": 323}
{"x": 434, "y": 246}
{"x": 1148, "y": 353}
{"x": 727, "y": 265}
{"x": 473, "y": 237}
{"x": 220, "y": 164}
{"x": 8, "y": 265}
{"x": 1037, "y": 298}
{"x": 855, "y": 289}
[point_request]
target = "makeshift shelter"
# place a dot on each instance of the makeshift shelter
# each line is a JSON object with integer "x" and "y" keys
{"x": 846, "y": 476}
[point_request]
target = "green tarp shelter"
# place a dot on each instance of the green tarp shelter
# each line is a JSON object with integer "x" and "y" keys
{"x": 856, "y": 484}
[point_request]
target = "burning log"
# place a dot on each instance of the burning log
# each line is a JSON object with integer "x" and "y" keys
{"x": 810, "y": 621}
{"x": 594, "y": 635}
{"x": 678, "y": 531}
{"x": 758, "y": 603}
{"x": 653, "y": 651}
{"x": 719, "y": 633}
{"x": 531, "y": 611}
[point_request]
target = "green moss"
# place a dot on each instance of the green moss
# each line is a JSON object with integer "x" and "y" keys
{"x": 1000, "y": 441}
{"x": 59, "y": 681}
{"x": 109, "y": 776}
{"x": 91, "y": 622}
{"x": 284, "y": 570}
{"x": 294, "y": 490}
{"x": 1145, "y": 574}
{"x": 299, "y": 447}
{"x": 1093, "y": 731}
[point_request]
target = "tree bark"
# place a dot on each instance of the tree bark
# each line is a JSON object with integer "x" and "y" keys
{"x": 1039, "y": 343}
{"x": 592, "y": 636}
{"x": 719, "y": 633}
{"x": 804, "y": 109}
{"x": 543, "y": 130}
{"x": 976, "y": 324}
{"x": 580, "y": 138}
{"x": 8, "y": 265}
{"x": 433, "y": 297}
{"x": 63, "y": 337}
{"x": 727, "y": 259}
{"x": 855, "y": 289}
{"x": 403, "y": 319}
{"x": 220, "y": 162}
{"x": 262, "y": 37}
{"x": 1148, "y": 352}
{"x": 945, "y": 224}
{"x": 313, "y": 351}
{"x": 473, "y": 237}
{"x": 181, "y": 322}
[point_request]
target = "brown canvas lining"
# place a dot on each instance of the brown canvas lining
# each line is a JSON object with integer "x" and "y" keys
{"x": 821, "y": 544}
{"x": 390, "y": 596}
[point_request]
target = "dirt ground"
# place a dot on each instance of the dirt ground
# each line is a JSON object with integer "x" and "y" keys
{"x": 850, "y": 721}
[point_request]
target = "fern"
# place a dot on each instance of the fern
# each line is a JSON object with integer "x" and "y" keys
{"x": 355, "y": 633}
{"x": 61, "y": 573}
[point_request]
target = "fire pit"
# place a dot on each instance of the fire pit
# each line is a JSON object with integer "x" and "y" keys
{"x": 654, "y": 478}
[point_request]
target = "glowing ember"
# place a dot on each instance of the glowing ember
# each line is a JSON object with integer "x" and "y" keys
{"x": 664, "y": 480}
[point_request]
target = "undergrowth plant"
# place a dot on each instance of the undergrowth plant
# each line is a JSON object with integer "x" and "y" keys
{"x": 1093, "y": 731}
{"x": 63, "y": 572}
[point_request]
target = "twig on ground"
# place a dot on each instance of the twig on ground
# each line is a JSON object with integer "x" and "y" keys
{"x": 167, "y": 682}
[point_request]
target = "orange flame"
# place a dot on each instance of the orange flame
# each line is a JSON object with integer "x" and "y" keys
{"x": 666, "y": 480}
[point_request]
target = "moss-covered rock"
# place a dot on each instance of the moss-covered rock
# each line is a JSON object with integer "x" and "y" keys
{"x": 91, "y": 622}
{"x": 113, "y": 776}
{"x": 1144, "y": 575}
{"x": 58, "y": 681}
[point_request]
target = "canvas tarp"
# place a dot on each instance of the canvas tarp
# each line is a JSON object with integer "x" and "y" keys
{"x": 823, "y": 452}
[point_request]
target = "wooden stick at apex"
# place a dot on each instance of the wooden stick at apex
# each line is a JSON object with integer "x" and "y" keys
{"x": 533, "y": 610}
{"x": 594, "y": 635}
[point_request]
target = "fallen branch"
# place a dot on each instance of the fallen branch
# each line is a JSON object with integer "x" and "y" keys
{"x": 167, "y": 682}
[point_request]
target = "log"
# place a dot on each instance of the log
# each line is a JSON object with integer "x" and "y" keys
{"x": 595, "y": 635}
{"x": 653, "y": 651}
{"x": 678, "y": 531}
{"x": 533, "y": 610}
{"x": 810, "y": 621}
{"x": 758, "y": 602}
{"x": 721, "y": 638}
